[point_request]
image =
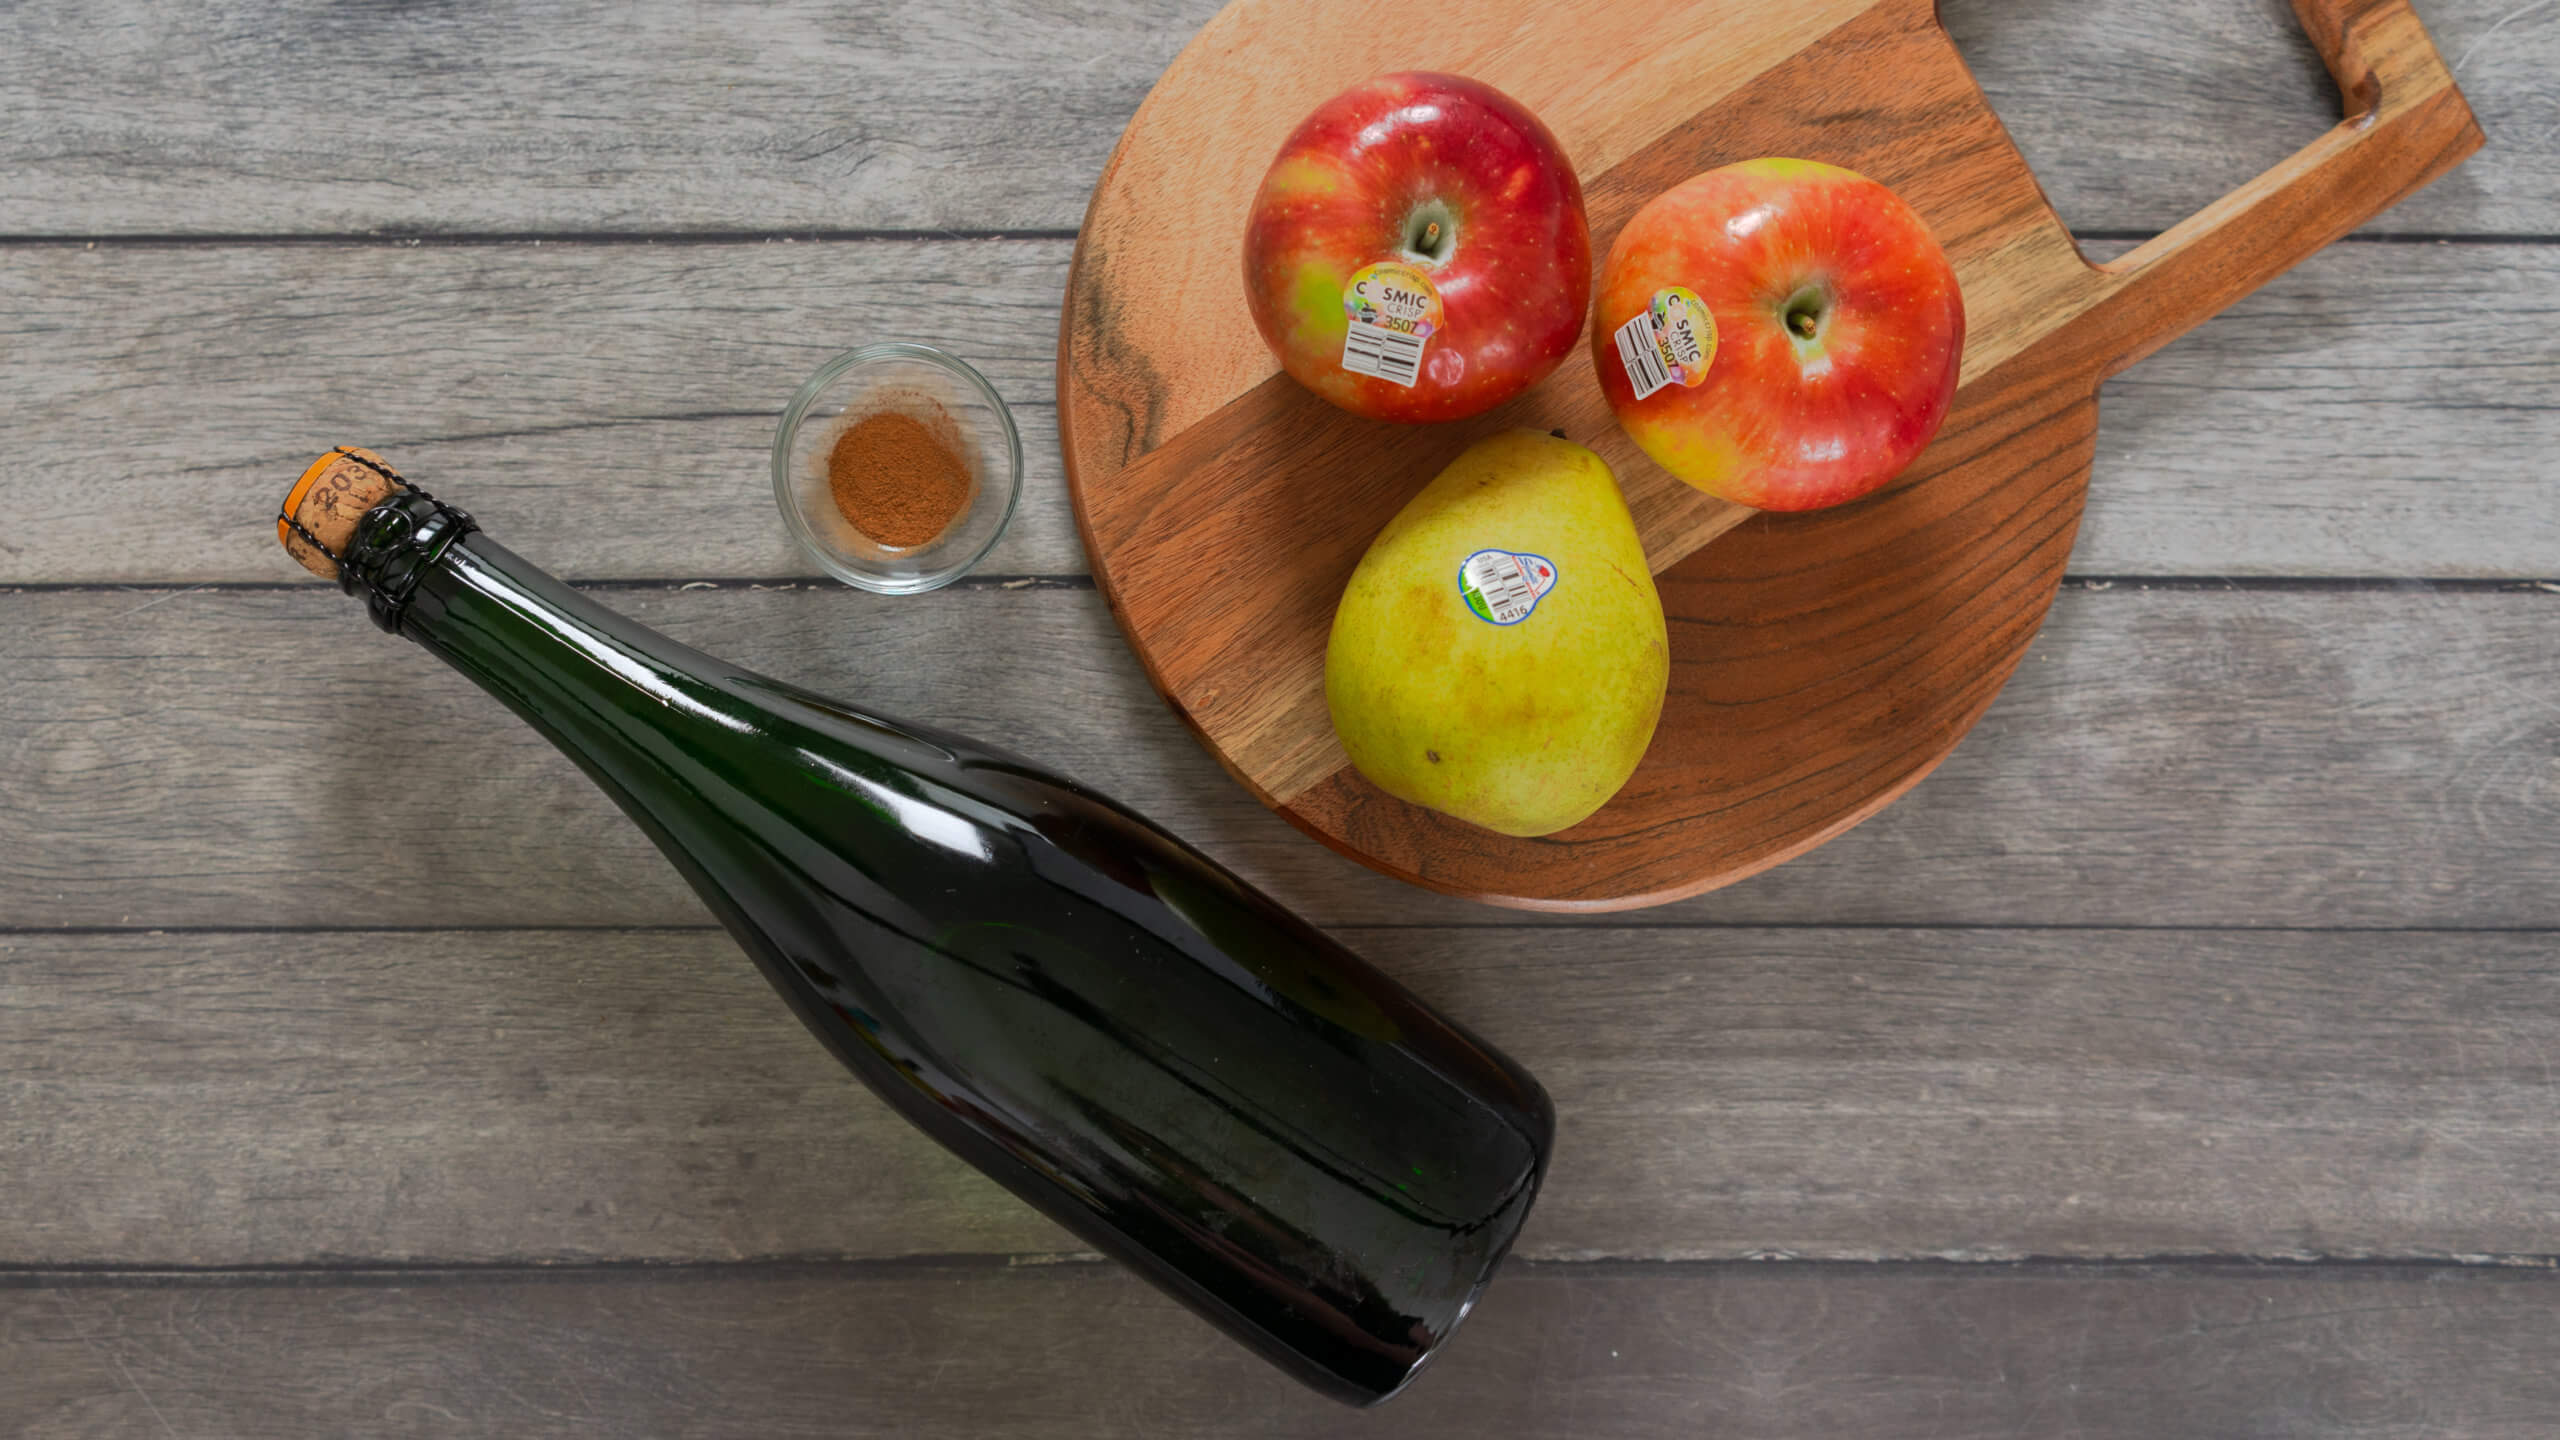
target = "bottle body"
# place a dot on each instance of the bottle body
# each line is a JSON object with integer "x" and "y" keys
{"x": 1102, "y": 1019}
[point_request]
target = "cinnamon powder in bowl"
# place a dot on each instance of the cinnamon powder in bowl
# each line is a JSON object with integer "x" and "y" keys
{"x": 897, "y": 467}
{"x": 898, "y": 478}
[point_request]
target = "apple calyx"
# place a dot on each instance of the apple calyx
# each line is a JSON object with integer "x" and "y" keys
{"x": 1430, "y": 233}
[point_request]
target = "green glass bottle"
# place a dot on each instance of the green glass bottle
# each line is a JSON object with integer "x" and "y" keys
{"x": 1115, "y": 1028}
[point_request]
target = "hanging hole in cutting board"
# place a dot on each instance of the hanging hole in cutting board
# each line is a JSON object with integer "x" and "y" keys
{"x": 2135, "y": 114}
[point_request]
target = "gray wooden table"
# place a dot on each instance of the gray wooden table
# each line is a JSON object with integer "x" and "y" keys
{"x": 2178, "y": 1061}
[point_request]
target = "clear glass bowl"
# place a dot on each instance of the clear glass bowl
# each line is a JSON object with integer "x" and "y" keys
{"x": 913, "y": 379}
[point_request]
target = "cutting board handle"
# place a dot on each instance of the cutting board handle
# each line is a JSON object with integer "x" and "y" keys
{"x": 2406, "y": 123}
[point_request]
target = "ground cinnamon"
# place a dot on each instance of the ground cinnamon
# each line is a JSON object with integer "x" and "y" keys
{"x": 897, "y": 479}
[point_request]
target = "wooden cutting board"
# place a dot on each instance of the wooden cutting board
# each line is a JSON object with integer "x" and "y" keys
{"x": 1821, "y": 664}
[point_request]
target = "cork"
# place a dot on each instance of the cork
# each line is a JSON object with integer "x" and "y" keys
{"x": 329, "y": 499}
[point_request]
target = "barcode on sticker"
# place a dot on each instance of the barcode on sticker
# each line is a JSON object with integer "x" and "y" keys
{"x": 1390, "y": 355}
{"x": 1640, "y": 350}
{"x": 1502, "y": 586}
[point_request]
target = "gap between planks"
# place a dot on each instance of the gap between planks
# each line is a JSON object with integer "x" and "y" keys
{"x": 2177, "y": 584}
{"x": 459, "y": 240}
{"x": 420, "y": 239}
{"x": 1563, "y": 921}
{"x": 364, "y": 1274}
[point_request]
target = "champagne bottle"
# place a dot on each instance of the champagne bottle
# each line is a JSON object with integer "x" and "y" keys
{"x": 1098, "y": 1016}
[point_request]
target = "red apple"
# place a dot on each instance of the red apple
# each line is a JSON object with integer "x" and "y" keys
{"x": 1418, "y": 250}
{"x": 1828, "y": 351}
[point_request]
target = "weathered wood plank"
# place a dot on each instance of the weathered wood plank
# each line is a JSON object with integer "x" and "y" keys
{"x": 1768, "y": 1352}
{"x": 312, "y": 118}
{"x": 608, "y": 407}
{"x": 664, "y": 117}
{"x": 268, "y": 1099}
{"x": 2137, "y": 115}
{"x": 2207, "y": 758}
{"x": 2385, "y": 410}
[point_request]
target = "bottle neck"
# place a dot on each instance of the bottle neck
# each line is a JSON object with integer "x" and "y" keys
{"x": 393, "y": 547}
{"x": 426, "y": 571}
{"x": 612, "y": 691}
{"x": 634, "y": 708}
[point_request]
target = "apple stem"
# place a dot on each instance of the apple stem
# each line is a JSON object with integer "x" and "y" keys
{"x": 1805, "y": 310}
{"x": 1428, "y": 231}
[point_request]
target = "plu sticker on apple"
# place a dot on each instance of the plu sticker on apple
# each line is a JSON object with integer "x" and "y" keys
{"x": 1669, "y": 342}
{"x": 1394, "y": 310}
{"x": 1505, "y": 586}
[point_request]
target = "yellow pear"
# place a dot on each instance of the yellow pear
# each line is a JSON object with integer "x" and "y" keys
{"x": 1500, "y": 654}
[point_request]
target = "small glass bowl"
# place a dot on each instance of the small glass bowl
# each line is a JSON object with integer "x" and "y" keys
{"x": 913, "y": 379}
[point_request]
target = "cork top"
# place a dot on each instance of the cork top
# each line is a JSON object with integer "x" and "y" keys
{"x": 328, "y": 500}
